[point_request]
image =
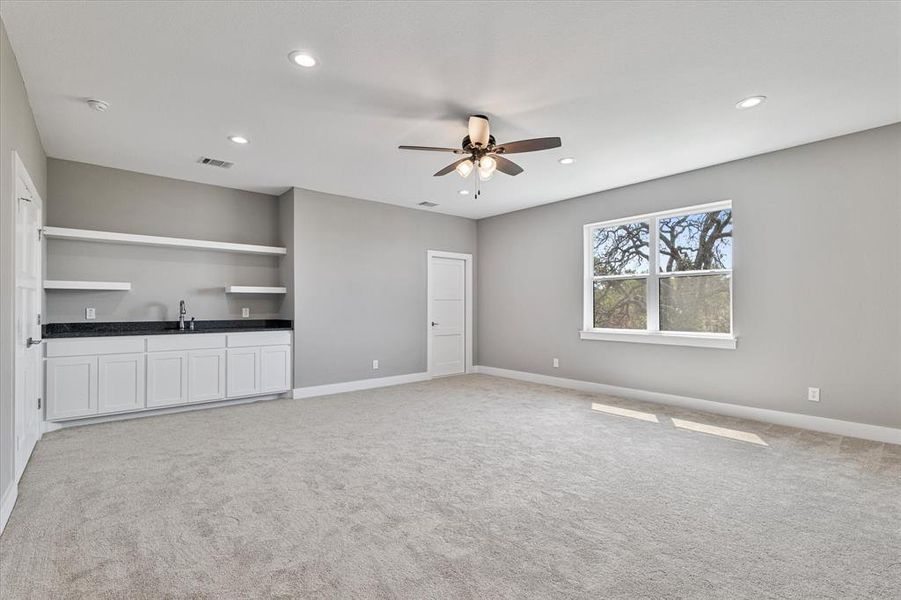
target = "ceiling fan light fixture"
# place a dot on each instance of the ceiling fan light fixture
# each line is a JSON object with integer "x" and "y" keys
{"x": 487, "y": 166}
{"x": 478, "y": 130}
{"x": 465, "y": 168}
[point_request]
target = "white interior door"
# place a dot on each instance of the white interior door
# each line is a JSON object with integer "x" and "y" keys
{"x": 29, "y": 284}
{"x": 447, "y": 314}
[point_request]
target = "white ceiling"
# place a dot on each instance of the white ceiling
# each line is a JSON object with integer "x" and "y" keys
{"x": 636, "y": 90}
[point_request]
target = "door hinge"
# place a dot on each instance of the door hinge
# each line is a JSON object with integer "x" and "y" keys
{"x": 39, "y": 402}
{"x": 40, "y": 233}
{"x": 39, "y": 319}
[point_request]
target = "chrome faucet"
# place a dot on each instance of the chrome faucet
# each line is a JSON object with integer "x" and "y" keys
{"x": 182, "y": 311}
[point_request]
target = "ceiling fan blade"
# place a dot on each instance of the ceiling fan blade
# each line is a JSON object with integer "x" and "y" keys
{"x": 433, "y": 149}
{"x": 450, "y": 168}
{"x": 478, "y": 130}
{"x": 506, "y": 166}
{"x": 529, "y": 145}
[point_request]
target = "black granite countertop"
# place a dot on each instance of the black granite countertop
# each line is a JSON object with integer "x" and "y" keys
{"x": 104, "y": 329}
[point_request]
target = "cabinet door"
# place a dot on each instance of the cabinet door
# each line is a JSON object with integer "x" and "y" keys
{"x": 121, "y": 382}
{"x": 167, "y": 378}
{"x": 206, "y": 375}
{"x": 275, "y": 368}
{"x": 71, "y": 387}
{"x": 243, "y": 372}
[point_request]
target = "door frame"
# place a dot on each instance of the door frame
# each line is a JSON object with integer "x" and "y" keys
{"x": 21, "y": 172}
{"x": 467, "y": 308}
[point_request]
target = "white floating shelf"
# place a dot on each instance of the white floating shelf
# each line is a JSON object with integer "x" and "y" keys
{"x": 250, "y": 289}
{"x": 90, "y": 235}
{"x": 113, "y": 286}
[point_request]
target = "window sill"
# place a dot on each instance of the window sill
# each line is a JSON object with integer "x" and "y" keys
{"x": 697, "y": 340}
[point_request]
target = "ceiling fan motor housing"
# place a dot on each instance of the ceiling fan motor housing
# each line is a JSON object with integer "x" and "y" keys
{"x": 467, "y": 143}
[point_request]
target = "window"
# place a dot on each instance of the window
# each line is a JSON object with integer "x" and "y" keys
{"x": 661, "y": 278}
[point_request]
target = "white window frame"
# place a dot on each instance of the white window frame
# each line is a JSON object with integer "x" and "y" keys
{"x": 651, "y": 335}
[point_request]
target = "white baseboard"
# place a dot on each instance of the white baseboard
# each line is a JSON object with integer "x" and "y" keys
{"x": 55, "y": 425}
{"x": 6, "y": 505}
{"x": 859, "y": 430}
{"x": 361, "y": 384}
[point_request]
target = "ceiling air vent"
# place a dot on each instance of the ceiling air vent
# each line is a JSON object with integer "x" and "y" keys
{"x": 428, "y": 204}
{"x": 215, "y": 162}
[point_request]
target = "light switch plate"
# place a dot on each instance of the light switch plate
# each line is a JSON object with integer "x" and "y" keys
{"x": 813, "y": 394}
{"x": 90, "y": 314}
{"x": 375, "y": 365}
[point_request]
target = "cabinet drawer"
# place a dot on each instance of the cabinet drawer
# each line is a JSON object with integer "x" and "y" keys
{"x": 101, "y": 345}
{"x": 259, "y": 338}
{"x": 186, "y": 341}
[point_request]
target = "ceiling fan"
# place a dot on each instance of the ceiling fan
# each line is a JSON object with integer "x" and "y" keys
{"x": 484, "y": 155}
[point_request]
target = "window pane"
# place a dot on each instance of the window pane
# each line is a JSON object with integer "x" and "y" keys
{"x": 696, "y": 242}
{"x": 621, "y": 250}
{"x": 621, "y": 304}
{"x": 697, "y": 303}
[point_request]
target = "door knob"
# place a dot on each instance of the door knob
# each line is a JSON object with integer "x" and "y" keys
{"x": 434, "y": 323}
{"x": 32, "y": 342}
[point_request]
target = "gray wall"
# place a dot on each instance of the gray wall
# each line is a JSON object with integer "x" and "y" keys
{"x": 90, "y": 197}
{"x": 17, "y": 132}
{"x": 360, "y": 294}
{"x": 816, "y": 291}
{"x": 286, "y": 239}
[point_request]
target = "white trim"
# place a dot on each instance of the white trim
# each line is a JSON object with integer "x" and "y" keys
{"x": 665, "y": 338}
{"x": 467, "y": 259}
{"x": 877, "y": 433}
{"x": 56, "y": 284}
{"x": 328, "y": 389}
{"x": 687, "y": 210}
{"x": 140, "y": 413}
{"x": 652, "y": 292}
{"x": 665, "y": 274}
{"x": 7, "y": 504}
{"x": 252, "y": 289}
{"x": 91, "y": 235}
{"x": 616, "y": 277}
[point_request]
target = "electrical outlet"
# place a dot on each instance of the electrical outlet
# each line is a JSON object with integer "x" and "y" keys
{"x": 245, "y": 312}
{"x": 556, "y": 363}
{"x": 375, "y": 365}
{"x": 813, "y": 394}
{"x": 90, "y": 313}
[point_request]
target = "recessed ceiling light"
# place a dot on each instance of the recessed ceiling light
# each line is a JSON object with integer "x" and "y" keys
{"x": 463, "y": 192}
{"x": 567, "y": 161}
{"x": 302, "y": 59}
{"x": 750, "y": 102}
{"x": 98, "y": 105}
{"x": 238, "y": 139}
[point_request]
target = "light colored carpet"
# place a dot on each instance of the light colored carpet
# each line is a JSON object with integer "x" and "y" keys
{"x": 469, "y": 487}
